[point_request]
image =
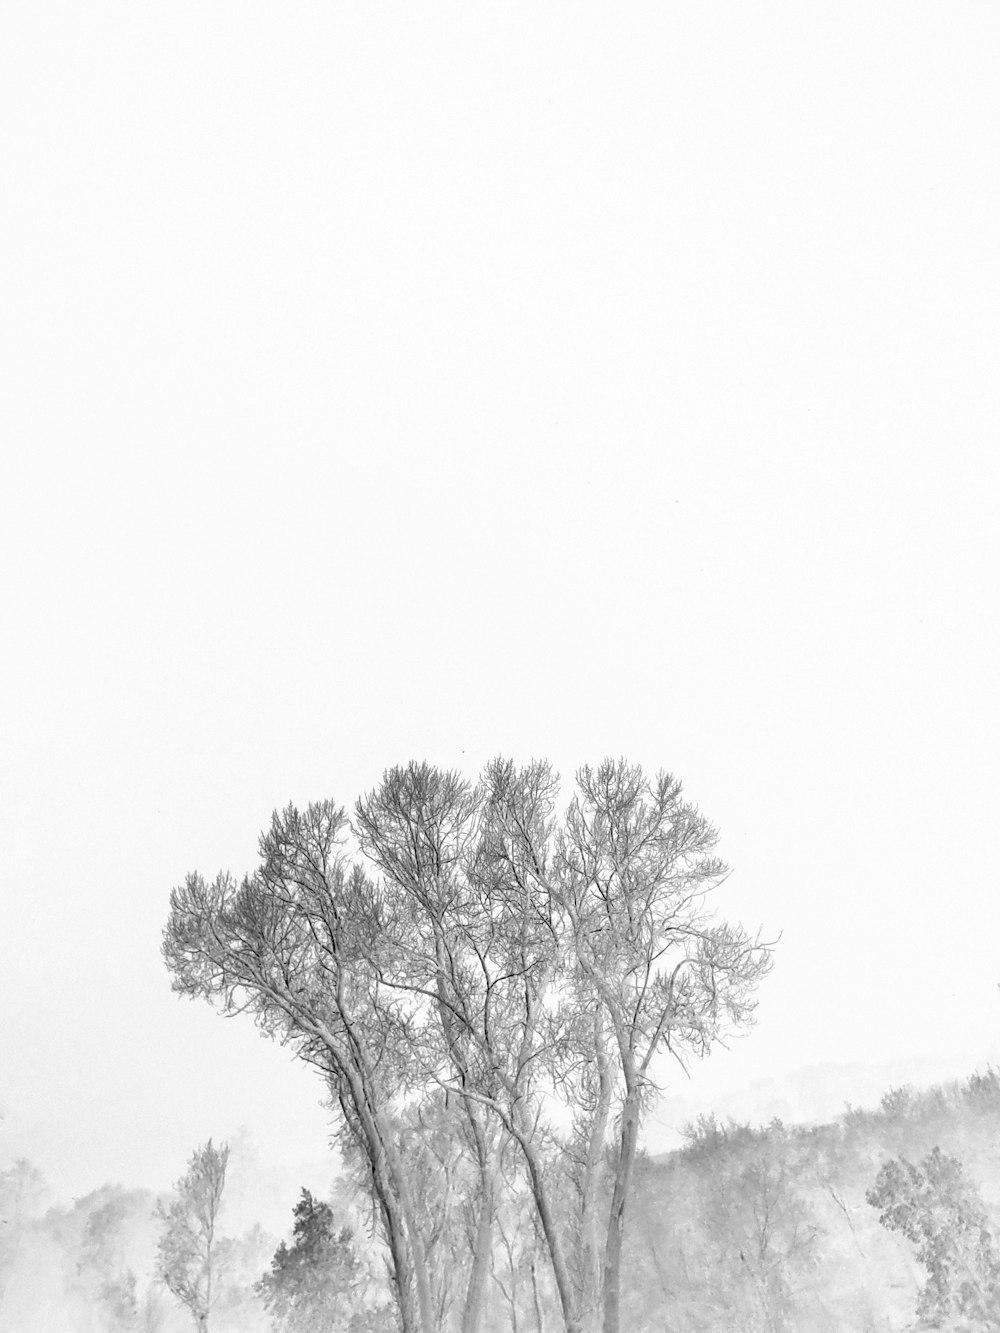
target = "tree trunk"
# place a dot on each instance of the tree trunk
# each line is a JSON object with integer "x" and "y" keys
{"x": 418, "y": 1254}
{"x": 535, "y": 1297}
{"x": 550, "y": 1231}
{"x": 483, "y": 1247}
{"x": 591, "y": 1258}
{"x": 400, "y": 1269}
{"x": 409, "y": 1259}
{"x": 482, "y": 1251}
{"x": 619, "y": 1199}
{"x": 407, "y": 1242}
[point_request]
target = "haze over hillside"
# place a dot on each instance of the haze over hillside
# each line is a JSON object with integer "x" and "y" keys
{"x": 811, "y": 1095}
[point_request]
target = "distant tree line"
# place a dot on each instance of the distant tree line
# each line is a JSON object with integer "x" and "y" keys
{"x": 885, "y": 1219}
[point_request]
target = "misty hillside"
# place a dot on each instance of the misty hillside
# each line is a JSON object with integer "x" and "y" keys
{"x": 769, "y": 1228}
{"x": 745, "y": 1228}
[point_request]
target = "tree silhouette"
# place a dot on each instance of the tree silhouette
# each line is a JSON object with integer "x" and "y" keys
{"x": 318, "y": 1283}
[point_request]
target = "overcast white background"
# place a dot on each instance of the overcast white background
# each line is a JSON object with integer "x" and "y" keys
{"x": 441, "y": 380}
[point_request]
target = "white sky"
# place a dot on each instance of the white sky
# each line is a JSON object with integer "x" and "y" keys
{"x": 433, "y": 381}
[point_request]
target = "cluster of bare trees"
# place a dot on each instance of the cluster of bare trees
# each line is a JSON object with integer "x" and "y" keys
{"x": 485, "y": 986}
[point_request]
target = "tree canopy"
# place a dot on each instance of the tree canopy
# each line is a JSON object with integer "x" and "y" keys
{"x": 487, "y": 989}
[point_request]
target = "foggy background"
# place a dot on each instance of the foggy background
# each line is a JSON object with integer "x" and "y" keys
{"x": 438, "y": 382}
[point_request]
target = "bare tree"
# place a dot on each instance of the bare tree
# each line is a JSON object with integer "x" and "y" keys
{"x": 293, "y": 944}
{"x": 188, "y": 1248}
{"x": 561, "y": 960}
{"x": 418, "y": 828}
{"x": 482, "y": 956}
{"x": 528, "y": 970}
{"x": 633, "y": 869}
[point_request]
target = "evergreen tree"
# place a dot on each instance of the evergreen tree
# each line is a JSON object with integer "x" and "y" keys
{"x": 316, "y": 1285}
